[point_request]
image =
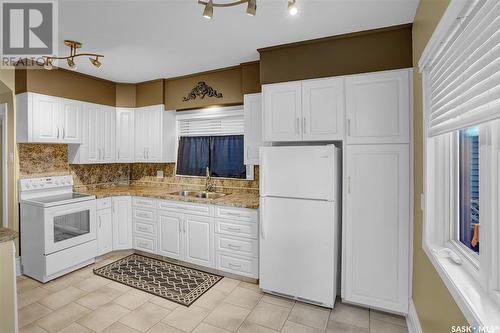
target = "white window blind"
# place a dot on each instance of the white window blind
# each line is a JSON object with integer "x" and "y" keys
{"x": 464, "y": 72}
{"x": 228, "y": 125}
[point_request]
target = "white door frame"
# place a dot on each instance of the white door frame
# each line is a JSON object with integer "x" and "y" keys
{"x": 5, "y": 164}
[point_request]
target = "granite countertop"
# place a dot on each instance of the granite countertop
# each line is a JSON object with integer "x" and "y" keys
{"x": 7, "y": 235}
{"x": 242, "y": 200}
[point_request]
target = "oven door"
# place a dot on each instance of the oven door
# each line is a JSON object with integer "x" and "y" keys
{"x": 69, "y": 225}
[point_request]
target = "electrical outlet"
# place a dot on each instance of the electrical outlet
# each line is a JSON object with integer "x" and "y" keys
{"x": 159, "y": 174}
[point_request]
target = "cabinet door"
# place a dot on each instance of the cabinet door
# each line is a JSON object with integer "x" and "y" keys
{"x": 253, "y": 127}
{"x": 92, "y": 125}
{"x": 376, "y": 226}
{"x": 124, "y": 135}
{"x": 378, "y": 107}
{"x": 323, "y": 109}
{"x": 282, "y": 112}
{"x": 45, "y": 124}
{"x": 199, "y": 237}
{"x": 107, "y": 136}
{"x": 104, "y": 231}
{"x": 154, "y": 143}
{"x": 141, "y": 136}
{"x": 170, "y": 235}
{"x": 122, "y": 223}
{"x": 70, "y": 121}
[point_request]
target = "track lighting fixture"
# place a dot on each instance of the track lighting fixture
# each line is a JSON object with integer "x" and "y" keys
{"x": 252, "y": 7}
{"x": 292, "y": 7}
{"x": 94, "y": 58}
{"x": 71, "y": 63}
{"x": 95, "y": 62}
{"x": 208, "y": 13}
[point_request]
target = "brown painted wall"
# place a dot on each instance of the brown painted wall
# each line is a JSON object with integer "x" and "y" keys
{"x": 149, "y": 93}
{"x": 435, "y": 306}
{"x": 250, "y": 77}
{"x": 67, "y": 84}
{"x": 360, "y": 52}
{"x": 125, "y": 95}
{"x": 227, "y": 81}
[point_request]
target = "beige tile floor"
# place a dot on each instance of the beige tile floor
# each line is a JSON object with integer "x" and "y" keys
{"x": 82, "y": 302}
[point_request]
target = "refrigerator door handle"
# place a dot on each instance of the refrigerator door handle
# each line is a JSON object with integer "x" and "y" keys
{"x": 262, "y": 210}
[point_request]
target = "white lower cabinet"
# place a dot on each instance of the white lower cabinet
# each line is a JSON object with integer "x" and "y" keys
{"x": 224, "y": 238}
{"x": 377, "y": 226}
{"x": 199, "y": 240}
{"x": 104, "y": 231}
{"x": 122, "y": 223}
{"x": 170, "y": 235}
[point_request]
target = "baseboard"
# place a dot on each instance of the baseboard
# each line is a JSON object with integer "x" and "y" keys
{"x": 19, "y": 270}
{"x": 412, "y": 319}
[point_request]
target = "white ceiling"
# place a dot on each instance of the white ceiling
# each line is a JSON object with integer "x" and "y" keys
{"x": 149, "y": 39}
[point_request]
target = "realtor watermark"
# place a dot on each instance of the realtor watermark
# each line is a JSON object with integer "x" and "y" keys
{"x": 475, "y": 329}
{"x": 28, "y": 32}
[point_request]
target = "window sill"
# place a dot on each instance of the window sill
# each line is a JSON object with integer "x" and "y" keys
{"x": 476, "y": 305}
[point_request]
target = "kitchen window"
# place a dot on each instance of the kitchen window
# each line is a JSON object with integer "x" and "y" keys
{"x": 461, "y": 86}
{"x": 212, "y": 139}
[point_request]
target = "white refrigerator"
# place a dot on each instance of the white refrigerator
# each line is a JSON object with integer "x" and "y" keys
{"x": 300, "y": 190}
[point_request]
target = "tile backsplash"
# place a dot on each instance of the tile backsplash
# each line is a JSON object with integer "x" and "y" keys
{"x": 40, "y": 160}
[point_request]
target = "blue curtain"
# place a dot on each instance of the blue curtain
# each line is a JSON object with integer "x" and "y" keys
{"x": 226, "y": 156}
{"x": 193, "y": 155}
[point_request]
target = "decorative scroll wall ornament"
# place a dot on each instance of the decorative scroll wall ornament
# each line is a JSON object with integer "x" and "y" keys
{"x": 201, "y": 90}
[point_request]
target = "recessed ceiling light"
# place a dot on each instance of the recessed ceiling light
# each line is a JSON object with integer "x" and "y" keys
{"x": 292, "y": 7}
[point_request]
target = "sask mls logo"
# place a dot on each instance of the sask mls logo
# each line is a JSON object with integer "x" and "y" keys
{"x": 28, "y": 28}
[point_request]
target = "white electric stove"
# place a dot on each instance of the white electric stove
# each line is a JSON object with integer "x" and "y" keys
{"x": 58, "y": 228}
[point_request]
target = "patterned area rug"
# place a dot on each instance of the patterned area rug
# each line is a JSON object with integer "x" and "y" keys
{"x": 176, "y": 283}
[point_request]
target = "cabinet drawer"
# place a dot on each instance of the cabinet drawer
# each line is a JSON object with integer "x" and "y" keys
{"x": 239, "y": 246}
{"x": 235, "y": 228}
{"x": 237, "y": 265}
{"x": 143, "y": 202}
{"x": 103, "y": 203}
{"x": 144, "y": 214}
{"x": 144, "y": 227}
{"x": 144, "y": 244}
{"x": 183, "y": 207}
{"x": 233, "y": 213}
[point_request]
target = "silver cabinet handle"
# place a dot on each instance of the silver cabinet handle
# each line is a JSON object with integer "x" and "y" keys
{"x": 349, "y": 184}
{"x": 99, "y": 221}
{"x": 233, "y": 214}
{"x": 348, "y": 127}
{"x": 145, "y": 215}
{"x": 58, "y": 132}
{"x": 233, "y": 265}
{"x": 63, "y": 133}
{"x": 184, "y": 226}
{"x": 143, "y": 229}
{"x": 304, "y": 125}
{"x": 180, "y": 226}
{"x": 297, "y": 129}
{"x": 233, "y": 229}
{"x": 118, "y": 153}
{"x": 234, "y": 246}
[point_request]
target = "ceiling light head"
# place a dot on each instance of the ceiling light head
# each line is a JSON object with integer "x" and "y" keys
{"x": 292, "y": 7}
{"x": 48, "y": 64}
{"x": 95, "y": 62}
{"x": 209, "y": 10}
{"x": 71, "y": 63}
{"x": 252, "y": 7}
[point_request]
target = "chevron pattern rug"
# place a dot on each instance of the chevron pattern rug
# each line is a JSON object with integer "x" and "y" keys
{"x": 174, "y": 282}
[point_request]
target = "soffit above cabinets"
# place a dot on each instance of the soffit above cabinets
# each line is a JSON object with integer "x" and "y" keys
{"x": 145, "y": 40}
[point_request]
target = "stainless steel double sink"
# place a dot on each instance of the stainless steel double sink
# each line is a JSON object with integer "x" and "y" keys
{"x": 196, "y": 194}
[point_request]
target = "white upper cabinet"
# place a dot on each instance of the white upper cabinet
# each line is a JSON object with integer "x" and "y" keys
{"x": 48, "y": 119}
{"x": 377, "y": 226}
{"x": 377, "y": 107}
{"x": 253, "y": 128}
{"x": 154, "y": 131}
{"x": 311, "y": 110}
{"x": 282, "y": 111}
{"x": 323, "y": 109}
{"x": 124, "y": 135}
{"x": 98, "y": 144}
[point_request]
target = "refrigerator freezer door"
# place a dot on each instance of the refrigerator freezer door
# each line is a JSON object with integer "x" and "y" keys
{"x": 298, "y": 249}
{"x": 305, "y": 172}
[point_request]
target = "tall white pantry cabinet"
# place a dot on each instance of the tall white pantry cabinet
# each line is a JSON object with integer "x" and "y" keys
{"x": 370, "y": 114}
